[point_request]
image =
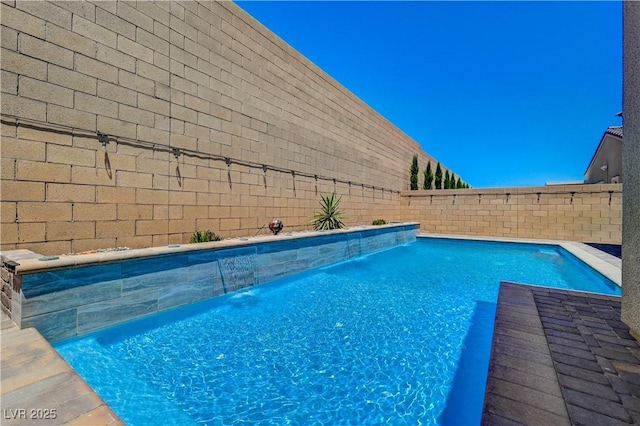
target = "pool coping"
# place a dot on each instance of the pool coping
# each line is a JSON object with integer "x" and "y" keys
{"x": 38, "y": 263}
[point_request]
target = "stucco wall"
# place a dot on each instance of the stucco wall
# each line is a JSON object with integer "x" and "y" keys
{"x": 631, "y": 164}
{"x": 609, "y": 155}
{"x": 585, "y": 213}
{"x": 200, "y": 77}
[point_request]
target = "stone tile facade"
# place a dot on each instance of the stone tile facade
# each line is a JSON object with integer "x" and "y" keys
{"x": 69, "y": 301}
{"x": 10, "y": 281}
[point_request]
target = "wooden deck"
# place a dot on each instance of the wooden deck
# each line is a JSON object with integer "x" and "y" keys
{"x": 561, "y": 357}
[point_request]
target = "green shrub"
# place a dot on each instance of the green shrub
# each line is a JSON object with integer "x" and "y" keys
{"x": 428, "y": 177}
{"x": 204, "y": 237}
{"x": 379, "y": 222}
{"x": 438, "y": 177}
{"x": 329, "y": 217}
{"x": 413, "y": 173}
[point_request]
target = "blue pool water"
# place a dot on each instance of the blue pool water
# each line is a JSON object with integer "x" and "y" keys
{"x": 401, "y": 336}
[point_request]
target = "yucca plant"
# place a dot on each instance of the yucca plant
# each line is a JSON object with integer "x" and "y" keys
{"x": 329, "y": 217}
{"x": 204, "y": 237}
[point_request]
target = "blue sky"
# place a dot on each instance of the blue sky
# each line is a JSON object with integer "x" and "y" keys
{"x": 503, "y": 93}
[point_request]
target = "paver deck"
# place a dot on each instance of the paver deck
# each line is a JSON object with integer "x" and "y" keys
{"x": 39, "y": 388}
{"x": 561, "y": 357}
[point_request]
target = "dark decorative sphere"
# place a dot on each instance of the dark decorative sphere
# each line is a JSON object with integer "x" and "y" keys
{"x": 276, "y": 226}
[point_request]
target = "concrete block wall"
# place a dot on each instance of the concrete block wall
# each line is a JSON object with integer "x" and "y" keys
{"x": 583, "y": 213}
{"x": 64, "y": 302}
{"x": 200, "y": 77}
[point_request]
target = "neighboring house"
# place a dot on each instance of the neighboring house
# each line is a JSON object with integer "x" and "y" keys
{"x": 565, "y": 182}
{"x": 606, "y": 164}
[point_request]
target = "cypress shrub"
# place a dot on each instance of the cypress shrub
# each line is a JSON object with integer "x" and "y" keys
{"x": 428, "y": 177}
{"x": 413, "y": 173}
{"x": 438, "y": 179}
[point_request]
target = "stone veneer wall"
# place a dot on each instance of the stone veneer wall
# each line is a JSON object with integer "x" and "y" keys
{"x": 10, "y": 280}
{"x": 68, "y": 301}
{"x": 176, "y": 89}
{"x": 583, "y": 213}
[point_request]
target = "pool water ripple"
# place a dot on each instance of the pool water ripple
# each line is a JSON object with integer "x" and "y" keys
{"x": 371, "y": 341}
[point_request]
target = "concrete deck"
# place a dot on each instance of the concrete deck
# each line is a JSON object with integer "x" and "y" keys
{"x": 37, "y": 387}
{"x": 561, "y": 357}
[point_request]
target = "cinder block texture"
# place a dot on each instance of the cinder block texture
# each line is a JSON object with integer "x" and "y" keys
{"x": 211, "y": 82}
{"x": 207, "y": 79}
{"x": 585, "y": 213}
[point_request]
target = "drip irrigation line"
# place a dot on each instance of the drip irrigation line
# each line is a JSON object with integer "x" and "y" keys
{"x": 123, "y": 140}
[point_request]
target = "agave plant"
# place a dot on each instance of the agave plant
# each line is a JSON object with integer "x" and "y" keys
{"x": 329, "y": 217}
{"x": 204, "y": 237}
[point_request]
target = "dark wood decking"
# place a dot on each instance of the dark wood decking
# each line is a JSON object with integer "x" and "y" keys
{"x": 561, "y": 357}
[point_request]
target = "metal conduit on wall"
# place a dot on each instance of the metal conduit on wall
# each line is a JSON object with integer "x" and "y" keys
{"x": 104, "y": 139}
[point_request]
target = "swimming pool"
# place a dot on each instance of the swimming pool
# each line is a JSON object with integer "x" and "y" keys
{"x": 401, "y": 336}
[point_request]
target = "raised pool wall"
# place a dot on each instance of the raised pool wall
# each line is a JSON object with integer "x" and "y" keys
{"x": 631, "y": 168}
{"x": 75, "y": 295}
